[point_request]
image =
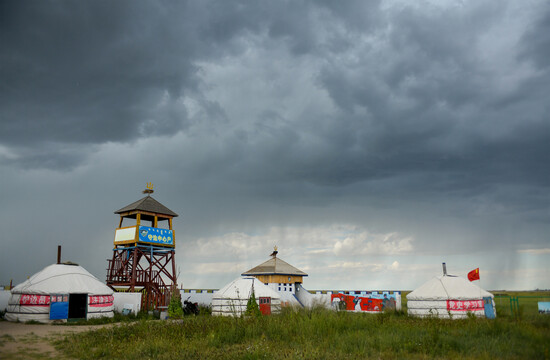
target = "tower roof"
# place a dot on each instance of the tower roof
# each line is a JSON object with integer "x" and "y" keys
{"x": 275, "y": 266}
{"x": 147, "y": 204}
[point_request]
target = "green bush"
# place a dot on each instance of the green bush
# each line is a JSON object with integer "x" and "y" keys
{"x": 205, "y": 310}
{"x": 175, "y": 308}
{"x": 252, "y": 308}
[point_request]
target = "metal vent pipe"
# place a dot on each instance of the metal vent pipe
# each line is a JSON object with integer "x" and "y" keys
{"x": 444, "y": 269}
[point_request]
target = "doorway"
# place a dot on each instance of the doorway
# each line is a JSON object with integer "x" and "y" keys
{"x": 488, "y": 306}
{"x": 59, "y": 306}
{"x": 77, "y": 306}
{"x": 265, "y": 305}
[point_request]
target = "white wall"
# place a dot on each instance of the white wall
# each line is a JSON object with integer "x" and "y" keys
{"x": 324, "y": 297}
{"x": 127, "y": 300}
{"x": 320, "y": 298}
{"x": 203, "y": 297}
{"x": 4, "y": 298}
{"x": 308, "y": 299}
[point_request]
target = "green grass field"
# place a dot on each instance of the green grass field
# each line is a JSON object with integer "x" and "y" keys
{"x": 527, "y": 301}
{"x": 318, "y": 334}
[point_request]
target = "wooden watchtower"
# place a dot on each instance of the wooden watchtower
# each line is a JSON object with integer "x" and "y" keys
{"x": 144, "y": 251}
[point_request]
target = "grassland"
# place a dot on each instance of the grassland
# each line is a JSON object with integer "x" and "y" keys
{"x": 527, "y": 301}
{"x": 317, "y": 334}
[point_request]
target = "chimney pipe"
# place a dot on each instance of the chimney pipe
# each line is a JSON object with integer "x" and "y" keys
{"x": 444, "y": 269}
{"x": 59, "y": 254}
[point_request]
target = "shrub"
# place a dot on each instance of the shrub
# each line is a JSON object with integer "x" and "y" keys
{"x": 252, "y": 308}
{"x": 175, "y": 308}
{"x": 205, "y": 310}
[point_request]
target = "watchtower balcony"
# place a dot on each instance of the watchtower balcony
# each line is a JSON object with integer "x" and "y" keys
{"x": 140, "y": 233}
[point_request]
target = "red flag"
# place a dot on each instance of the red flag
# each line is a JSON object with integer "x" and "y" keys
{"x": 473, "y": 275}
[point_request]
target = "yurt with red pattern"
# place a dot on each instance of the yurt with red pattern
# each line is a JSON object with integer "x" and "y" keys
{"x": 60, "y": 292}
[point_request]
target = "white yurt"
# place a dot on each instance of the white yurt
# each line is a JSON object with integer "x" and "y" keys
{"x": 63, "y": 292}
{"x": 231, "y": 300}
{"x": 449, "y": 296}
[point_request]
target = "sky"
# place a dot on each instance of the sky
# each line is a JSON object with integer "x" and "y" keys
{"x": 370, "y": 141}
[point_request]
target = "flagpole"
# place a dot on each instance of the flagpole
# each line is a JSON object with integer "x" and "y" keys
{"x": 476, "y": 276}
{"x": 482, "y": 300}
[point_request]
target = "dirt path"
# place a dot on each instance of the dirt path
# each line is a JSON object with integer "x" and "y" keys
{"x": 26, "y": 341}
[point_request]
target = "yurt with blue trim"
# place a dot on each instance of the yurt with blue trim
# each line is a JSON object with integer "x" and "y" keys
{"x": 62, "y": 292}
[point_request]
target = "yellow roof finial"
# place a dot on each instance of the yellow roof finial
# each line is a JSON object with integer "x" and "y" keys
{"x": 149, "y": 188}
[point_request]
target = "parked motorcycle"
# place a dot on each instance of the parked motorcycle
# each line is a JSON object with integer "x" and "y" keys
{"x": 190, "y": 308}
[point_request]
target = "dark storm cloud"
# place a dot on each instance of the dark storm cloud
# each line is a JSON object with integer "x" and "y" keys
{"x": 90, "y": 72}
{"x": 113, "y": 72}
{"x": 430, "y": 104}
{"x": 416, "y": 95}
{"x": 278, "y": 121}
{"x": 54, "y": 156}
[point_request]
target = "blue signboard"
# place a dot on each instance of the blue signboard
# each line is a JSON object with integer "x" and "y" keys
{"x": 544, "y": 307}
{"x": 156, "y": 235}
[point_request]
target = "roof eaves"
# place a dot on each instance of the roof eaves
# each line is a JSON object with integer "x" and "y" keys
{"x": 274, "y": 273}
{"x": 154, "y": 206}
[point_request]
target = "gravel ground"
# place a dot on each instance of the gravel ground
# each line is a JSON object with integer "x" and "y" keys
{"x": 32, "y": 341}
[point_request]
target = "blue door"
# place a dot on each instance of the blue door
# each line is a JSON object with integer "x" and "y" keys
{"x": 59, "y": 307}
{"x": 489, "y": 310}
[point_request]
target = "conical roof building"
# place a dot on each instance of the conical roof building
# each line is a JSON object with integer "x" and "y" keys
{"x": 282, "y": 277}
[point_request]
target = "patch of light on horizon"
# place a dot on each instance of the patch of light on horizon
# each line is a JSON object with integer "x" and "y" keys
{"x": 534, "y": 251}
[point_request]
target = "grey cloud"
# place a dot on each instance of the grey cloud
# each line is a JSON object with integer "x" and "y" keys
{"x": 111, "y": 72}
{"x": 536, "y": 41}
{"x": 90, "y": 73}
{"x": 49, "y": 155}
{"x": 411, "y": 124}
{"x": 438, "y": 123}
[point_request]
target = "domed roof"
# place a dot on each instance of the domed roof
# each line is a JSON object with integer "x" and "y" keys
{"x": 448, "y": 287}
{"x": 62, "y": 279}
{"x": 241, "y": 288}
